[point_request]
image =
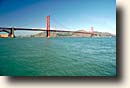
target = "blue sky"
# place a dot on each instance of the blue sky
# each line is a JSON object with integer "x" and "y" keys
{"x": 65, "y": 14}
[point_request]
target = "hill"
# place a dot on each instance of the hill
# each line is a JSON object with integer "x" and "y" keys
{"x": 74, "y": 34}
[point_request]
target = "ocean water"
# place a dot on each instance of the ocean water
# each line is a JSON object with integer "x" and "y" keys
{"x": 58, "y": 56}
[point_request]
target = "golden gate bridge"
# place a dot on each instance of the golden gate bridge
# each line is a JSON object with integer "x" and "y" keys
{"x": 11, "y": 34}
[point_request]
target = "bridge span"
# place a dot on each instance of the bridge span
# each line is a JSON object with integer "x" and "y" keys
{"x": 10, "y": 30}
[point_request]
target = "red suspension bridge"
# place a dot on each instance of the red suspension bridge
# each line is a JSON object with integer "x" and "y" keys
{"x": 10, "y": 31}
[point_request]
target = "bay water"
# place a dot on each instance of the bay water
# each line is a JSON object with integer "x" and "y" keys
{"x": 58, "y": 56}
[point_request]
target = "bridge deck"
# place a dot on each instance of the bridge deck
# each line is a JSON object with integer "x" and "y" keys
{"x": 38, "y": 29}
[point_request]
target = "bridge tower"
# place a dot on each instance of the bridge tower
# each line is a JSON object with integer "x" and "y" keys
{"x": 48, "y": 26}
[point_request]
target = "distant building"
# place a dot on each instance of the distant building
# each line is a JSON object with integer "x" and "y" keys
{"x": 4, "y": 35}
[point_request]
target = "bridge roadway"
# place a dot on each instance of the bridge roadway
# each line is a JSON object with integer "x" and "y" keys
{"x": 38, "y": 29}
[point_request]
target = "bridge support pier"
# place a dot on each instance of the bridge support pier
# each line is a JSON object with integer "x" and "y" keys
{"x": 11, "y": 34}
{"x": 48, "y": 26}
{"x": 92, "y": 32}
